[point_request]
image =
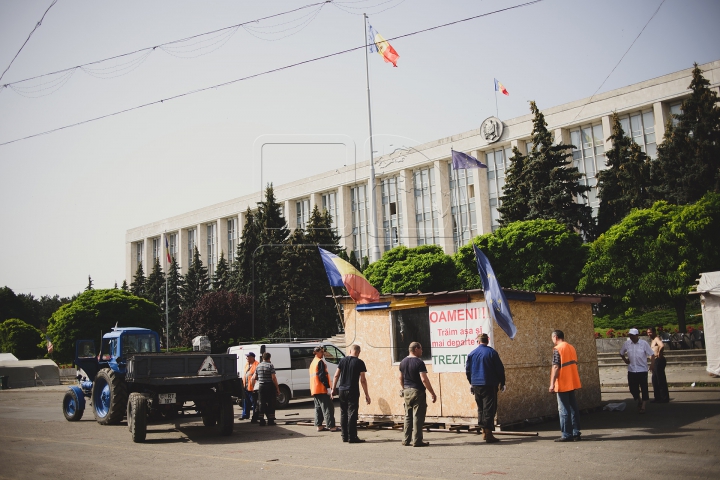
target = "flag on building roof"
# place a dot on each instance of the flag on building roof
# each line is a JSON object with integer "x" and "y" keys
{"x": 462, "y": 161}
{"x": 494, "y": 296}
{"x": 499, "y": 87}
{"x": 167, "y": 250}
{"x": 341, "y": 274}
{"x": 376, "y": 43}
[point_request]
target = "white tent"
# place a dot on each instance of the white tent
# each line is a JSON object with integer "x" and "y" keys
{"x": 30, "y": 373}
{"x": 709, "y": 290}
{"x": 6, "y": 357}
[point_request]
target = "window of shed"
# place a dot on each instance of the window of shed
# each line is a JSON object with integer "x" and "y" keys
{"x": 411, "y": 325}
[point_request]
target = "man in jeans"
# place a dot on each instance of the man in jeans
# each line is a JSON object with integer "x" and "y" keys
{"x": 486, "y": 374}
{"x": 350, "y": 370}
{"x": 564, "y": 380}
{"x": 268, "y": 389}
{"x": 414, "y": 381}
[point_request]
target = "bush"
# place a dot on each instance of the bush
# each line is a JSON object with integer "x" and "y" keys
{"x": 21, "y": 339}
{"x": 632, "y": 319}
{"x": 407, "y": 270}
{"x": 95, "y": 312}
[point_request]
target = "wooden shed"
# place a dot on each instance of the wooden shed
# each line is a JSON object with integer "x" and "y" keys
{"x": 447, "y": 324}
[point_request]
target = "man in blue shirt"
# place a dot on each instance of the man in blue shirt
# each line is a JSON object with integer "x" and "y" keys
{"x": 486, "y": 373}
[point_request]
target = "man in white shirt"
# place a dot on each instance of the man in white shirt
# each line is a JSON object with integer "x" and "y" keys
{"x": 637, "y": 352}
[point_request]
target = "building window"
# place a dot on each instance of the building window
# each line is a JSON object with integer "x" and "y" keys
{"x": 497, "y": 161}
{"x": 172, "y": 244}
{"x": 589, "y": 158}
{"x": 156, "y": 249}
{"x": 191, "y": 244}
{"x": 675, "y": 109}
{"x": 302, "y": 208}
{"x": 329, "y": 203}
{"x": 640, "y": 127}
{"x": 211, "y": 247}
{"x": 139, "y": 247}
{"x": 232, "y": 239}
{"x": 391, "y": 212}
{"x": 410, "y": 325}
{"x": 462, "y": 205}
{"x": 427, "y": 210}
{"x": 360, "y": 233}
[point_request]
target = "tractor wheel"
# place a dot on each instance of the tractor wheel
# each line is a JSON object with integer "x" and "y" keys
{"x": 283, "y": 400}
{"x": 71, "y": 407}
{"x": 209, "y": 418}
{"x": 109, "y": 397}
{"x": 137, "y": 417}
{"x": 226, "y": 418}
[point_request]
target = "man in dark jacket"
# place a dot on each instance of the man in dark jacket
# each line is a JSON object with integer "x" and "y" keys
{"x": 486, "y": 373}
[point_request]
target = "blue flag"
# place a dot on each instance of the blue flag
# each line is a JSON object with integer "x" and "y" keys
{"x": 494, "y": 295}
{"x": 462, "y": 161}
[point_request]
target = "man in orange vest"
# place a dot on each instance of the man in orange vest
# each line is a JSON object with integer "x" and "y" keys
{"x": 250, "y": 398}
{"x": 321, "y": 392}
{"x": 564, "y": 380}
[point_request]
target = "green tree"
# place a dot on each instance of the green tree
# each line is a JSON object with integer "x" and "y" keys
{"x": 515, "y": 201}
{"x": 352, "y": 260}
{"x": 95, "y": 312}
{"x": 245, "y": 258}
{"x": 547, "y": 182}
{"x": 124, "y": 287}
{"x": 221, "y": 278}
{"x": 37, "y": 311}
{"x": 196, "y": 283}
{"x": 11, "y": 306}
{"x": 21, "y": 339}
{"x": 538, "y": 255}
{"x": 688, "y": 163}
{"x": 137, "y": 287}
{"x": 654, "y": 256}
{"x": 90, "y": 284}
{"x": 626, "y": 182}
{"x": 175, "y": 285}
{"x": 425, "y": 268}
{"x": 222, "y": 316}
{"x": 155, "y": 286}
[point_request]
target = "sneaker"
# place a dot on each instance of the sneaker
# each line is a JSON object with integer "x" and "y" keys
{"x": 262, "y": 423}
{"x": 356, "y": 440}
{"x": 272, "y": 423}
{"x": 576, "y": 438}
{"x": 421, "y": 444}
{"x": 564, "y": 439}
{"x": 345, "y": 440}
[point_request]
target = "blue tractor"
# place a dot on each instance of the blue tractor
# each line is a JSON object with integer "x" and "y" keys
{"x": 131, "y": 378}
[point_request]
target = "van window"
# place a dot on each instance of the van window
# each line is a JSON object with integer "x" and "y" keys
{"x": 332, "y": 354}
{"x": 301, "y": 357}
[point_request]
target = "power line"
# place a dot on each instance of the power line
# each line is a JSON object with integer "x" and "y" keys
{"x": 621, "y": 59}
{"x": 28, "y": 38}
{"x": 266, "y": 72}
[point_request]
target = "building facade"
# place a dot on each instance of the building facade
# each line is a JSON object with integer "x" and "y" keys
{"x": 420, "y": 199}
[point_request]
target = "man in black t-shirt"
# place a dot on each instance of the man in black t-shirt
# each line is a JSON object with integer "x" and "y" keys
{"x": 414, "y": 381}
{"x": 350, "y": 370}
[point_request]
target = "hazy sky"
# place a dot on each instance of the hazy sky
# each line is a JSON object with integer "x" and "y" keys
{"x": 67, "y": 198}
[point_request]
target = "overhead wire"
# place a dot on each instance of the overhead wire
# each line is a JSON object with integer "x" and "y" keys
{"x": 267, "y": 72}
{"x": 28, "y": 38}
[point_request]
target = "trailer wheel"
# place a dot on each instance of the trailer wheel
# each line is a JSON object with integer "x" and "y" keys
{"x": 283, "y": 400}
{"x": 137, "y": 417}
{"x": 226, "y": 418}
{"x": 71, "y": 407}
{"x": 109, "y": 397}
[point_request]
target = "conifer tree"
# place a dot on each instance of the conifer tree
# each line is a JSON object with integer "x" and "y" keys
{"x": 90, "y": 284}
{"x": 197, "y": 282}
{"x": 352, "y": 260}
{"x": 242, "y": 272}
{"x": 155, "y": 285}
{"x": 137, "y": 287}
{"x": 175, "y": 285}
{"x": 550, "y": 183}
{"x": 221, "y": 278}
{"x": 124, "y": 287}
{"x": 515, "y": 200}
{"x": 688, "y": 163}
{"x": 625, "y": 184}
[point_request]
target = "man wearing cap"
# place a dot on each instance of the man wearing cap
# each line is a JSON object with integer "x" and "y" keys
{"x": 414, "y": 381}
{"x": 637, "y": 352}
{"x": 250, "y": 397}
{"x": 321, "y": 392}
{"x": 486, "y": 373}
{"x": 564, "y": 380}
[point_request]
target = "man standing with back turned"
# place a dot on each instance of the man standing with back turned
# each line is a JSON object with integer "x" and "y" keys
{"x": 485, "y": 372}
{"x": 564, "y": 380}
{"x": 350, "y": 370}
{"x": 414, "y": 381}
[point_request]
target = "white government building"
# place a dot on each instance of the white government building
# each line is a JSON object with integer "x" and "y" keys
{"x": 420, "y": 199}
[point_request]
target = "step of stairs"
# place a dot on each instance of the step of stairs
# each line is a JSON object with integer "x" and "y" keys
{"x": 673, "y": 357}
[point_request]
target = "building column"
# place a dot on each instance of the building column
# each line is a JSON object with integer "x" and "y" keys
{"x": 379, "y": 241}
{"x": 182, "y": 253}
{"x": 607, "y": 132}
{"x": 291, "y": 215}
{"x": 344, "y": 220}
{"x": 315, "y": 199}
{"x": 163, "y": 252}
{"x": 406, "y": 190}
{"x": 147, "y": 256}
{"x": 482, "y": 199}
{"x": 222, "y": 238}
{"x": 444, "y": 203}
{"x": 129, "y": 261}
{"x": 661, "y": 114}
{"x": 201, "y": 242}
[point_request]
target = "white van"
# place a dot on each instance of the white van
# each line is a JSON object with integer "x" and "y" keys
{"x": 291, "y": 362}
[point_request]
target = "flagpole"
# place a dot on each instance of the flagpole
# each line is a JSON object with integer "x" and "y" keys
{"x": 337, "y": 306}
{"x": 373, "y": 204}
{"x": 496, "y": 104}
{"x": 167, "y": 307}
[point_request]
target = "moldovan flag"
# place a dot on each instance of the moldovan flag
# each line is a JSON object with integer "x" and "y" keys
{"x": 341, "y": 274}
{"x": 167, "y": 250}
{"x": 494, "y": 296}
{"x": 378, "y": 44}
{"x": 499, "y": 87}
